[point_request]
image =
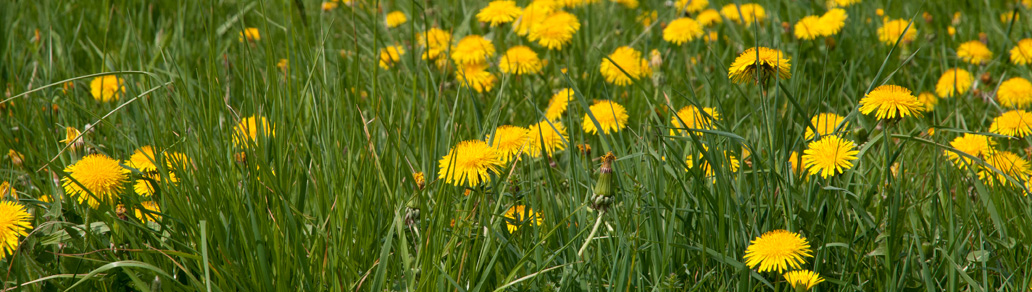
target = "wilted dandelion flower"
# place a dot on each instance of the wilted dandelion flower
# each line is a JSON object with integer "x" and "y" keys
{"x": 611, "y": 116}
{"x": 250, "y": 34}
{"x": 829, "y": 156}
{"x": 107, "y": 88}
{"x": 624, "y": 59}
{"x": 777, "y": 250}
{"x": 833, "y": 21}
{"x": 475, "y": 76}
{"x": 1015, "y": 93}
{"x": 682, "y": 30}
{"x": 555, "y": 30}
{"x": 974, "y": 52}
{"x": 747, "y": 14}
{"x": 499, "y": 12}
{"x": 809, "y": 28}
{"x": 472, "y": 49}
{"x": 469, "y": 163}
{"x": 1021, "y": 54}
{"x": 826, "y": 123}
{"x": 890, "y": 102}
{"x": 692, "y": 6}
{"x": 15, "y": 222}
{"x": 1008, "y": 164}
{"x": 396, "y": 18}
{"x": 7, "y": 189}
{"x": 520, "y": 60}
{"x": 841, "y": 3}
{"x": 149, "y": 212}
{"x": 892, "y": 30}
{"x": 249, "y": 129}
{"x": 972, "y": 144}
{"x": 690, "y": 117}
{"x": 509, "y": 141}
{"x": 16, "y": 158}
{"x": 97, "y": 174}
{"x": 769, "y": 61}
{"x": 551, "y": 136}
{"x": 533, "y": 15}
{"x": 928, "y": 100}
{"x": 390, "y": 55}
{"x": 558, "y": 103}
{"x": 803, "y": 279}
{"x": 709, "y": 17}
{"x": 954, "y": 81}
{"x": 73, "y": 139}
{"x": 1017, "y": 123}
{"x": 519, "y": 215}
{"x": 435, "y": 41}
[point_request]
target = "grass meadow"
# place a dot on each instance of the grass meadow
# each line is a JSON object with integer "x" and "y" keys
{"x": 286, "y": 159}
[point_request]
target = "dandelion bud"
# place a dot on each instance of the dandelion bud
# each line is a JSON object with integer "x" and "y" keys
{"x": 603, "y": 191}
{"x": 16, "y": 158}
{"x": 584, "y": 149}
{"x": 927, "y": 17}
{"x": 982, "y": 37}
{"x": 656, "y": 60}
{"x": 420, "y": 180}
{"x": 986, "y": 78}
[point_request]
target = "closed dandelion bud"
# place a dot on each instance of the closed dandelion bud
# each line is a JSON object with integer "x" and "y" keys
{"x": 927, "y": 17}
{"x": 603, "y": 192}
{"x": 982, "y": 37}
{"x": 987, "y": 78}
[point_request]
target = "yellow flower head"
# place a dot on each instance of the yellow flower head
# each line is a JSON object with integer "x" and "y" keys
{"x": 420, "y": 180}
{"x": 710, "y": 37}
{"x": 769, "y": 61}
{"x": 143, "y": 160}
{"x": 972, "y": 144}
{"x": 327, "y": 6}
{"x": 954, "y": 81}
{"x": 435, "y": 41}
{"x": 1008, "y": 164}
{"x": 396, "y": 18}
{"x": 533, "y": 15}
{"x": 611, "y": 116}
{"x": 809, "y": 28}
{"x": 777, "y": 250}
{"x": 692, "y": 6}
{"x": 974, "y": 52}
{"x": 826, "y": 123}
{"x": 390, "y": 55}
{"x": 15, "y": 222}
{"x": 892, "y": 30}
{"x": 682, "y": 30}
{"x": 890, "y": 102}
{"x": 1021, "y": 54}
{"x": 146, "y": 188}
{"x": 796, "y": 163}
{"x": 647, "y": 17}
{"x": 705, "y": 166}
{"x": 520, "y": 60}
{"x": 833, "y": 21}
{"x": 829, "y": 156}
{"x": 107, "y": 88}
{"x": 747, "y": 14}
{"x": 96, "y": 174}
{"x": 624, "y": 65}
{"x": 250, "y": 34}
{"x": 7, "y": 189}
{"x": 841, "y": 3}
{"x": 551, "y": 136}
{"x": 149, "y": 213}
{"x": 469, "y": 163}
{"x": 509, "y": 141}
{"x": 249, "y": 129}
{"x": 475, "y": 76}
{"x": 472, "y": 49}
{"x": 690, "y": 117}
{"x": 499, "y": 11}
{"x": 283, "y": 64}
{"x": 629, "y": 4}
{"x": 1017, "y": 123}
{"x": 929, "y": 101}
{"x": 557, "y": 105}
{"x": 519, "y": 215}
{"x": 72, "y": 138}
{"x": 1015, "y": 93}
{"x": 803, "y": 279}
{"x": 555, "y": 30}
{"x": 576, "y": 3}
{"x": 709, "y": 17}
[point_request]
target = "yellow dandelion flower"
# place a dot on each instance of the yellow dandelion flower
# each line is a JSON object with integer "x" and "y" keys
{"x": 972, "y": 144}
{"x": 891, "y": 30}
{"x": 826, "y": 123}
{"x": 545, "y": 137}
{"x": 576, "y": 3}
{"x": 143, "y": 160}
{"x": 690, "y": 117}
{"x": 475, "y": 76}
{"x": 1008, "y": 164}
{"x": 533, "y": 15}
{"x": 646, "y": 18}
{"x": 744, "y": 14}
{"x": 777, "y": 250}
{"x": 499, "y": 12}
{"x": 1017, "y": 123}
{"x": 710, "y": 37}
{"x": 954, "y": 81}
{"x": 1008, "y": 17}
{"x": 472, "y": 49}
{"x": 809, "y": 28}
{"x": 520, "y": 215}
{"x": 692, "y": 6}
{"x": 390, "y": 55}
{"x": 974, "y": 52}
{"x": 420, "y": 180}
{"x": 96, "y": 174}
{"x": 15, "y": 222}
{"x": 1021, "y": 54}
{"x": 951, "y": 30}
{"x": 803, "y": 280}
{"x": 841, "y": 3}
{"x": 769, "y": 61}
{"x": 250, "y": 34}
{"x": 282, "y": 64}
{"x": 509, "y": 141}
{"x": 611, "y": 116}
{"x": 705, "y": 166}
{"x": 146, "y": 188}
{"x": 520, "y": 60}
{"x": 469, "y": 163}
{"x": 1015, "y": 93}
{"x": 629, "y": 4}
{"x": 833, "y": 21}
{"x": 682, "y": 30}
{"x": 249, "y": 129}
{"x": 624, "y": 65}
{"x": 107, "y": 88}
{"x": 796, "y": 163}
{"x": 7, "y": 189}
{"x": 396, "y": 18}
{"x": 73, "y": 139}
{"x": 929, "y": 101}
{"x": 557, "y": 105}
{"x": 829, "y": 156}
{"x": 149, "y": 213}
{"x": 434, "y": 42}
{"x": 890, "y": 102}
{"x": 555, "y": 30}
{"x": 327, "y": 6}
{"x": 709, "y": 17}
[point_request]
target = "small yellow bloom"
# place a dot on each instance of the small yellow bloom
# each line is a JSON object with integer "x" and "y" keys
{"x": 249, "y": 129}
{"x": 829, "y": 156}
{"x": 682, "y": 30}
{"x": 709, "y": 17}
{"x": 499, "y": 12}
{"x": 390, "y": 55}
{"x": 435, "y": 41}
{"x": 73, "y": 138}
{"x": 1017, "y": 123}
{"x": 692, "y": 6}
{"x": 744, "y": 14}
{"x": 395, "y": 19}
{"x": 250, "y": 34}
{"x": 892, "y": 30}
{"x": 629, "y": 4}
{"x": 691, "y": 117}
{"x": 7, "y": 189}
{"x": 520, "y": 215}
{"x": 808, "y": 28}
{"x": 841, "y": 3}
{"x": 777, "y": 250}
{"x": 330, "y": 5}
{"x": 954, "y": 81}
{"x": 1015, "y": 93}
{"x": 974, "y": 52}
{"x": 929, "y": 101}
{"x": 107, "y": 88}
{"x": 611, "y": 117}
{"x": 759, "y": 59}
{"x": 890, "y": 102}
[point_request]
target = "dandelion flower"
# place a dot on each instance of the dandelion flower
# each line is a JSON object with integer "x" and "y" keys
{"x": 73, "y": 139}
{"x": 16, "y": 158}
{"x": 809, "y": 28}
{"x": 557, "y": 105}
{"x": 390, "y": 55}
{"x": 710, "y": 37}
{"x": 770, "y": 61}
{"x": 777, "y": 250}
{"x": 624, "y": 65}
{"x": 509, "y": 142}
{"x": 555, "y": 30}
{"x": 692, "y": 6}
{"x": 327, "y": 6}
{"x": 796, "y": 163}
{"x": 974, "y": 52}
{"x": 972, "y": 144}
{"x": 149, "y": 212}
{"x": 146, "y": 188}
{"x": 435, "y": 41}
{"x": 14, "y": 223}
{"x": 890, "y": 102}
{"x": 747, "y": 14}
{"x": 841, "y": 3}
{"x": 551, "y": 136}
{"x": 611, "y": 116}
{"x": 892, "y": 30}
{"x": 826, "y": 123}
{"x": 954, "y": 81}
{"x": 499, "y": 12}
{"x": 646, "y": 18}
{"x": 709, "y": 17}
{"x": 472, "y": 49}
{"x": 690, "y": 117}
{"x": 575, "y": 3}
{"x": 469, "y": 163}
{"x": 107, "y": 88}
{"x": 249, "y": 129}
{"x": 519, "y": 215}
{"x": 96, "y": 174}
{"x": 803, "y": 280}
{"x": 1015, "y": 93}
{"x": 143, "y": 160}
{"x": 682, "y": 30}
{"x": 1008, "y": 164}
{"x": 705, "y": 166}
{"x": 629, "y": 4}
{"x": 1021, "y": 54}
{"x": 7, "y": 189}
{"x": 829, "y": 155}
{"x": 929, "y": 101}
{"x": 520, "y": 60}
{"x": 396, "y": 18}
{"x": 250, "y": 34}
{"x": 833, "y": 21}
{"x": 532, "y": 16}
{"x": 475, "y": 76}
{"x": 1017, "y": 123}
